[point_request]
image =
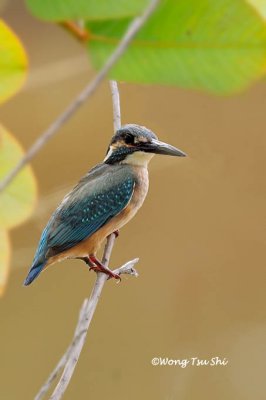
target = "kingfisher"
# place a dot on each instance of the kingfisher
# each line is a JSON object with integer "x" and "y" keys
{"x": 103, "y": 201}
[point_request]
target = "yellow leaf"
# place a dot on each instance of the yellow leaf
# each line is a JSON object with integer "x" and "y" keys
{"x": 4, "y": 259}
{"x": 18, "y": 199}
{"x": 260, "y": 6}
{"x": 13, "y": 63}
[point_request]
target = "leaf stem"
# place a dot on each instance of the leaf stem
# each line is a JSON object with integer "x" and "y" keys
{"x": 79, "y": 33}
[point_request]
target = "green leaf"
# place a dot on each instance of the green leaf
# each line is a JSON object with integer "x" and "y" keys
{"x": 62, "y": 10}
{"x": 4, "y": 259}
{"x": 219, "y": 46}
{"x": 13, "y": 63}
{"x": 18, "y": 199}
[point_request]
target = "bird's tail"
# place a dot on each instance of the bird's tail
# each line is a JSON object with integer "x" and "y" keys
{"x": 35, "y": 270}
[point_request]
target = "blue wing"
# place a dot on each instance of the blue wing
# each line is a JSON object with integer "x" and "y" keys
{"x": 103, "y": 193}
{"x": 98, "y": 197}
{"x": 86, "y": 213}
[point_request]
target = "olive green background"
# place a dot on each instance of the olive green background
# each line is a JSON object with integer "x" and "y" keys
{"x": 200, "y": 237}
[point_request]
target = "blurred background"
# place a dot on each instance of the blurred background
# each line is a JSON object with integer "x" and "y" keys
{"x": 200, "y": 237}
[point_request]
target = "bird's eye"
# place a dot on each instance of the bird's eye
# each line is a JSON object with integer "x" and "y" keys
{"x": 129, "y": 139}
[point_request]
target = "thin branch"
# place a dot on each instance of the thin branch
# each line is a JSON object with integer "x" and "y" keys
{"x": 79, "y": 340}
{"x": 46, "y": 386}
{"x": 116, "y": 105}
{"x": 133, "y": 28}
{"x": 89, "y": 306}
{"x": 83, "y": 325}
{"x": 70, "y": 357}
{"x": 60, "y": 365}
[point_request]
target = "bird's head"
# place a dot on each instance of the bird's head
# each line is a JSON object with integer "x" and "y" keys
{"x": 136, "y": 145}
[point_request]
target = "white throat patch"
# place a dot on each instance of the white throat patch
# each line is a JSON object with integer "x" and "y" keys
{"x": 139, "y": 158}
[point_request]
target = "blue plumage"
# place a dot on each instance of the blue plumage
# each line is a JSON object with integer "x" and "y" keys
{"x": 102, "y": 194}
{"x": 85, "y": 213}
{"x": 34, "y": 272}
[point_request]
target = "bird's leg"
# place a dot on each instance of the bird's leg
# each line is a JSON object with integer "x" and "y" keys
{"x": 96, "y": 265}
{"x": 86, "y": 260}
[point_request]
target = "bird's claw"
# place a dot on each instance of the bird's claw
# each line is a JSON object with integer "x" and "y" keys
{"x": 106, "y": 271}
{"x": 113, "y": 275}
{"x": 97, "y": 266}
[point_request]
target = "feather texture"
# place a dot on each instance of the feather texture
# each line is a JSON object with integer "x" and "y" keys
{"x": 99, "y": 196}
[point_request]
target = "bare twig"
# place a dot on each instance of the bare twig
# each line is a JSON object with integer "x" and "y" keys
{"x": 60, "y": 365}
{"x": 116, "y": 105}
{"x": 84, "y": 324}
{"x": 89, "y": 306}
{"x": 70, "y": 358}
{"x": 133, "y": 28}
{"x": 46, "y": 386}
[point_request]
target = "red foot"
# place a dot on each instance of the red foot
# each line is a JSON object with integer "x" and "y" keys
{"x": 96, "y": 265}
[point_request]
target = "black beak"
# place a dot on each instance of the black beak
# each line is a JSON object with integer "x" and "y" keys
{"x": 157, "y": 147}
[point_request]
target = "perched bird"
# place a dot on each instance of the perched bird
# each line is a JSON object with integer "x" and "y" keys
{"x": 104, "y": 200}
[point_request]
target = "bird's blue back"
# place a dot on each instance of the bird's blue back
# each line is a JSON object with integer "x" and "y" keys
{"x": 103, "y": 193}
